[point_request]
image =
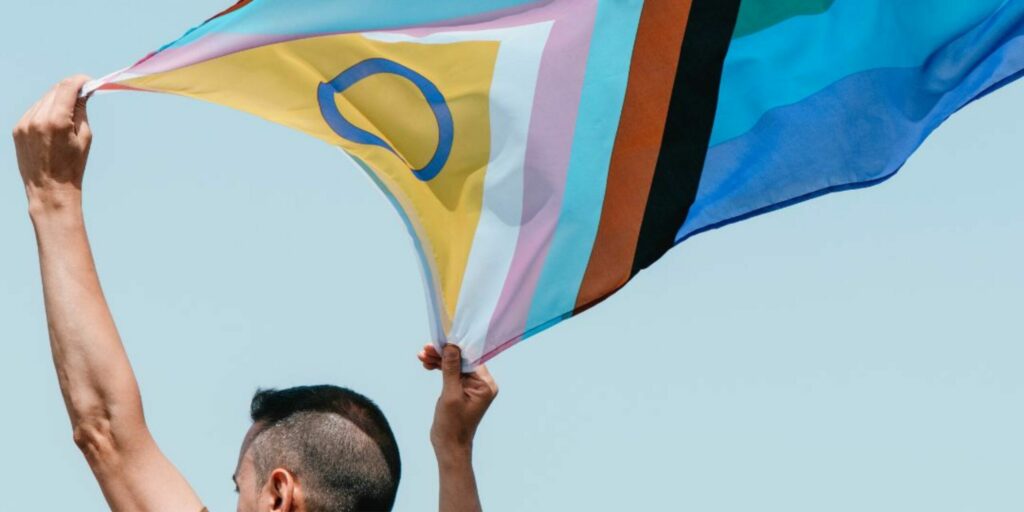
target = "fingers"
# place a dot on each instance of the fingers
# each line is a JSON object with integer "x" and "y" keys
{"x": 39, "y": 114}
{"x": 29, "y": 114}
{"x": 80, "y": 117}
{"x": 80, "y": 114}
{"x": 482, "y": 386}
{"x": 42, "y": 114}
{"x": 21, "y": 128}
{"x": 431, "y": 351}
{"x": 59, "y": 107}
{"x": 66, "y": 96}
{"x": 430, "y": 358}
{"x": 485, "y": 375}
{"x": 451, "y": 368}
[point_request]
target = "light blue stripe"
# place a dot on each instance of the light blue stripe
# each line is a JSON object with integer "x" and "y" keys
{"x": 604, "y": 90}
{"x": 294, "y": 17}
{"x": 797, "y": 58}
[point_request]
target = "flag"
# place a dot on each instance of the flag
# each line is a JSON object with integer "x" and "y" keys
{"x": 543, "y": 152}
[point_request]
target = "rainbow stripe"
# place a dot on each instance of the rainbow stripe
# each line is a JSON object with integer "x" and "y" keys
{"x": 542, "y": 152}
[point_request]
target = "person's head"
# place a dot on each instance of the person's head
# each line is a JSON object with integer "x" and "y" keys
{"x": 317, "y": 449}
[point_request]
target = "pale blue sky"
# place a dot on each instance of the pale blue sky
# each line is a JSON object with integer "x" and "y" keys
{"x": 859, "y": 352}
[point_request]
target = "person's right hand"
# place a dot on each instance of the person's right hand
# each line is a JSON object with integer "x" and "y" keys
{"x": 52, "y": 141}
{"x": 463, "y": 402}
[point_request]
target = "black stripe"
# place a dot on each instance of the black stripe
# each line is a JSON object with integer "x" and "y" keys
{"x": 691, "y": 114}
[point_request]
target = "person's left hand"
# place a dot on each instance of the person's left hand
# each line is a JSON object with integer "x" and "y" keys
{"x": 465, "y": 398}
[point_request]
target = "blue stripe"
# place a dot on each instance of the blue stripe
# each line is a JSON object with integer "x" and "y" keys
{"x": 604, "y": 90}
{"x": 299, "y": 17}
{"x": 856, "y": 132}
{"x": 797, "y": 58}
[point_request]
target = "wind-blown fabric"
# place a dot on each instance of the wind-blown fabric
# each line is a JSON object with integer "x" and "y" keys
{"x": 542, "y": 152}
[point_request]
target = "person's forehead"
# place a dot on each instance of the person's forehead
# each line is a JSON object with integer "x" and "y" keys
{"x": 243, "y": 451}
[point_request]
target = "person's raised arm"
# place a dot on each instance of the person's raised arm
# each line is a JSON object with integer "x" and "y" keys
{"x": 96, "y": 379}
{"x": 463, "y": 402}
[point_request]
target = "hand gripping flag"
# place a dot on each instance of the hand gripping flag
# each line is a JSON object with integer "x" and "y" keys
{"x": 542, "y": 152}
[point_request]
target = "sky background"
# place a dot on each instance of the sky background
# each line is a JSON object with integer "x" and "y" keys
{"x": 863, "y": 351}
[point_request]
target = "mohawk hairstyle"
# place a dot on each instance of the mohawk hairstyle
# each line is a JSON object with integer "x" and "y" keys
{"x": 335, "y": 440}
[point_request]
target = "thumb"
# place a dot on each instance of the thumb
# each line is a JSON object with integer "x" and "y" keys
{"x": 451, "y": 368}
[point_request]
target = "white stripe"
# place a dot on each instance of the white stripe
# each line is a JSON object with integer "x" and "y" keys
{"x": 490, "y": 258}
{"x": 115, "y": 77}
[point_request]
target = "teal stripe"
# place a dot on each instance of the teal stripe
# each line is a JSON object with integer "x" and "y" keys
{"x": 793, "y": 60}
{"x": 292, "y": 17}
{"x": 604, "y": 91}
{"x": 757, "y": 15}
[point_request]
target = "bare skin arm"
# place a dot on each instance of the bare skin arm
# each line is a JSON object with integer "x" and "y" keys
{"x": 463, "y": 402}
{"x": 96, "y": 379}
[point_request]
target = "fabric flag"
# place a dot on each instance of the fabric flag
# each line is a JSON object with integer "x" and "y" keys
{"x": 542, "y": 152}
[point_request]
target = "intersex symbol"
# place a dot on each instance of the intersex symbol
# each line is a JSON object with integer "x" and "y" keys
{"x": 350, "y": 132}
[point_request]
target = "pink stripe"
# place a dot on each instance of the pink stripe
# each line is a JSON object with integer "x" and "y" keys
{"x": 546, "y": 10}
{"x": 549, "y": 147}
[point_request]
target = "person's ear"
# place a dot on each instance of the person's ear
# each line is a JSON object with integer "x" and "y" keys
{"x": 281, "y": 491}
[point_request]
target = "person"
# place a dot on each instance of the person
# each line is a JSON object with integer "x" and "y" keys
{"x": 310, "y": 449}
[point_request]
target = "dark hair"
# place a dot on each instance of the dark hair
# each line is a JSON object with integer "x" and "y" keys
{"x": 336, "y": 441}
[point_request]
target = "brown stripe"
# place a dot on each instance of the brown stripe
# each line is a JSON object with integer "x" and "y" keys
{"x": 637, "y": 145}
{"x": 233, "y": 8}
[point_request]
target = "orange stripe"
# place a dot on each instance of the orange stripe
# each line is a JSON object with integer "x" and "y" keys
{"x": 638, "y": 142}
